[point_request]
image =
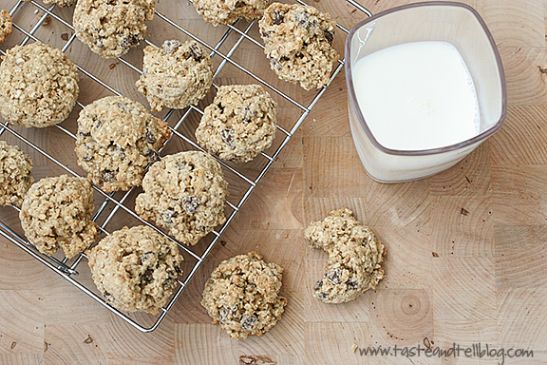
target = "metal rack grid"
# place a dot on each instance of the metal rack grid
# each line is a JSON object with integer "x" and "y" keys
{"x": 69, "y": 269}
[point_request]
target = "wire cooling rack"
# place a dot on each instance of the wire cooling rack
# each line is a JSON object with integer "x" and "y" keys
{"x": 115, "y": 209}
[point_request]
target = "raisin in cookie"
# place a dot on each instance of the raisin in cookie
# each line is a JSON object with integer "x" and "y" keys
{"x": 239, "y": 124}
{"x": 185, "y": 194}
{"x": 355, "y": 257}
{"x": 56, "y": 214}
{"x": 175, "y": 76}
{"x": 15, "y": 175}
{"x": 117, "y": 139}
{"x": 38, "y": 85}
{"x": 110, "y": 28}
{"x": 242, "y": 295}
{"x": 6, "y": 25}
{"x": 136, "y": 269}
{"x": 219, "y": 12}
{"x": 298, "y": 42}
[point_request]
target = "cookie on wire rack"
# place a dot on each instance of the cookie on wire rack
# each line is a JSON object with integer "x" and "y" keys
{"x": 239, "y": 124}
{"x": 136, "y": 269}
{"x": 298, "y": 42}
{"x": 185, "y": 194}
{"x": 61, "y": 3}
{"x": 56, "y": 214}
{"x": 117, "y": 139}
{"x": 176, "y": 75}
{"x": 223, "y": 12}
{"x": 15, "y": 175}
{"x": 110, "y": 28}
{"x": 6, "y": 25}
{"x": 38, "y": 85}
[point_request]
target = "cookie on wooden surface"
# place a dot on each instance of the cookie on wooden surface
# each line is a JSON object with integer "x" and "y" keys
{"x": 355, "y": 257}
{"x": 242, "y": 295}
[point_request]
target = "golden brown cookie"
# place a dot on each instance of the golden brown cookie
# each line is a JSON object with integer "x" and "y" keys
{"x": 15, "y": 174}
{"x": 355, "y": 257}
{"x": 117, "y": 139}
{"x": 136, "y": 269}
{"x": 38, "y": 85}
{"x": 298, "y": 42}
{"x": 56, "y": 214}
{"x": 176, "y": 75}
{"x": 184, "y": 193}
{"x": 242, "y": 295}
{"x": 239, "y": 124}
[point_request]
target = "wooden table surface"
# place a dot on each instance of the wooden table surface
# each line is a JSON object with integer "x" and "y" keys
{"x": 467, "y": 249}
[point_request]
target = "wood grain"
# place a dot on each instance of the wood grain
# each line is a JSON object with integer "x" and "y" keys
{"x": 467, "y": 248}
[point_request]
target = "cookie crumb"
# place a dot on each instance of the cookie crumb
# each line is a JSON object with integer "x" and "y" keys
{"x": 47, "y": 21}
{"x": 434, "y": 254}
{"x": 464, "y": 211}
{"x": 354, "y": 347}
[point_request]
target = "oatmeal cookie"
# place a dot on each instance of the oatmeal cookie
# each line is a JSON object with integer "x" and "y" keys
{"x": 239, "y": 124}
{"x": 242, "y": 295}
{"x": 175, "y": 76}
{"x": 219, "y": 12}
{"x": 15, "y": 175}
{"x": 110, "y": 28}
{"x": 6, "y": 25}
{"x": 61, "y": 3}
{"x": 185, "y": 194}
{"x": 38, "y": 85}
{"x": 56, "y": 214}
{"x": 136, "y": 269}
{"x": 355, "y": 257}
{"x": 117, "y": 139}
{"x": 298, "y": 42}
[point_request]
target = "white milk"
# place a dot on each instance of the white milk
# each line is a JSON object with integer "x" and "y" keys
{"x": 417, "y": 96}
